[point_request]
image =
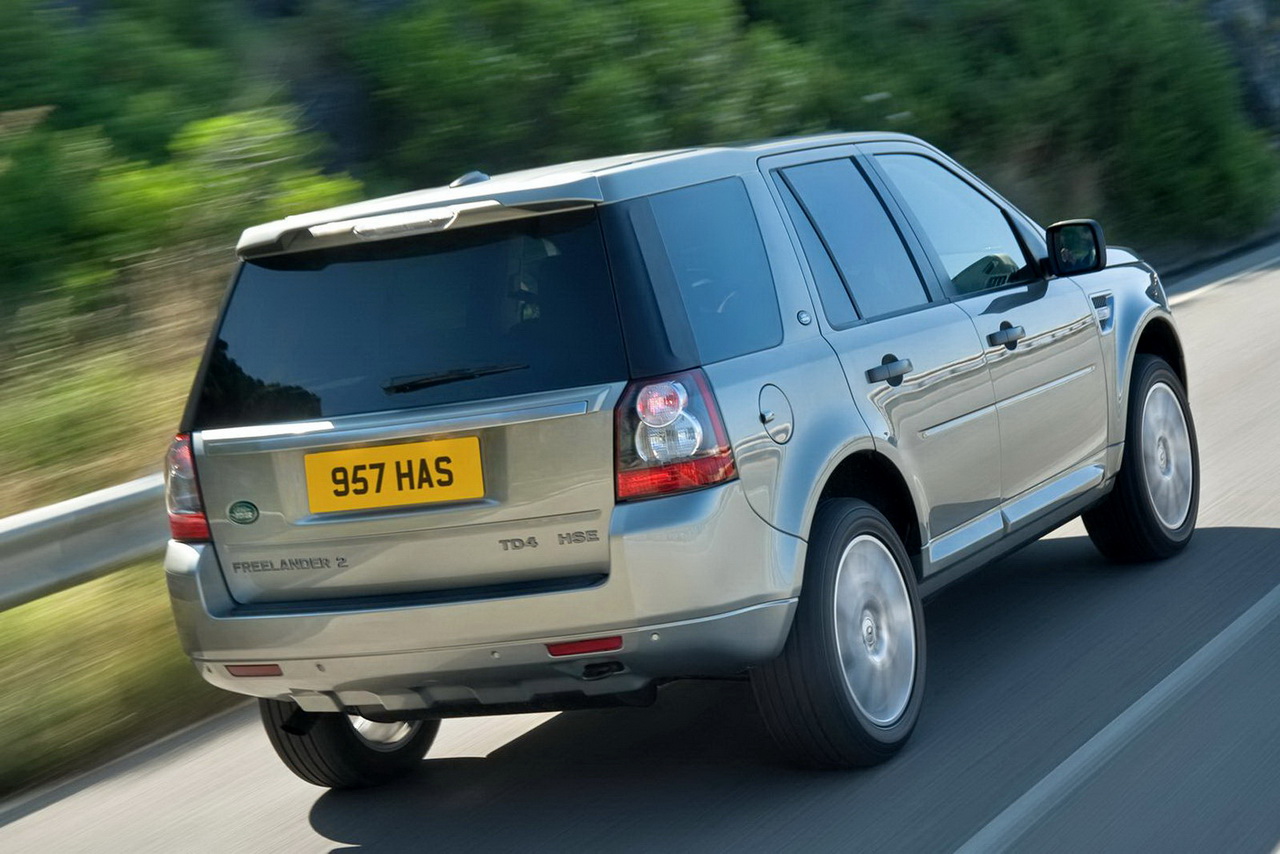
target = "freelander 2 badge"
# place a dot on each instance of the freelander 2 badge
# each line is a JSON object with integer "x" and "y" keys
{"x": 243, "y": 513}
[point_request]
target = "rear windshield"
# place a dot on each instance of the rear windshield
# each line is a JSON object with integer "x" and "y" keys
{"x": 490, "y": 311}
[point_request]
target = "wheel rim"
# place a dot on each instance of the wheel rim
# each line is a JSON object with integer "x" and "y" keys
{"x": 875, "y": 630}
{"x": 1166, "y": 456}
{"x": 383, "y": 736}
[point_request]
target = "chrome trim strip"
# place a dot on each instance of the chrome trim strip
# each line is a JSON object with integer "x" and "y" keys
{"x": 930, "y": 432}
{"x": 224, "y": 434}
{"x": 1049, "y": 386}
{"x": 965, "y": 540}
{"x": 317, "y": 435}
{"x": 1036, "y": 501}
{"x": 414, "y": 511}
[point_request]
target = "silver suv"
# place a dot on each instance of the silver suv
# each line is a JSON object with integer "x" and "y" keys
{"x": 550, "y": 439}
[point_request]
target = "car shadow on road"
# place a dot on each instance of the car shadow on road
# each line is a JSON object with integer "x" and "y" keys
{"x": 1027, "y": 660}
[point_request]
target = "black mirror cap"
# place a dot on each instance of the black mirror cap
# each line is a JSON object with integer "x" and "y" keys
{"x": 1076, "y": 246}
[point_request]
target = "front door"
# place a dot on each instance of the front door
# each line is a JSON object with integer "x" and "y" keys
{"x": 1040, "y": 336}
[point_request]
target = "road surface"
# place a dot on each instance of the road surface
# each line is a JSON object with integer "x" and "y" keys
{"x": 1071, "y": 705}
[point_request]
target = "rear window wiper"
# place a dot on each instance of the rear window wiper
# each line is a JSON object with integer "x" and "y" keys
{"x": 404, "y": 385}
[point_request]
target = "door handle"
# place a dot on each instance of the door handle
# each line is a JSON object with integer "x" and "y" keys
{"x": 1007, "y": 336}
{"x": 889, "y": 371}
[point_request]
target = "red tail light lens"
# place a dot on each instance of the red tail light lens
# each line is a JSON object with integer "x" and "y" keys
{"x": 670, "y": 437}
{"x": 187, "y": 519}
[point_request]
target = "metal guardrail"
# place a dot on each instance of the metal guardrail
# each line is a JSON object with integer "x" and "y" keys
{"x": 47, "y": 549}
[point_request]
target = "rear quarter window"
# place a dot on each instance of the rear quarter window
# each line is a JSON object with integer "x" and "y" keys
{"x": 717, "y": 257}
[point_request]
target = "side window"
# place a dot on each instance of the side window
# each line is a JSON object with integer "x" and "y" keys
{"x": 836, "y": 302}
{"x": 717, "y": 255}
{"x": 969, "y": 232}
{"x": 863, "y": 241}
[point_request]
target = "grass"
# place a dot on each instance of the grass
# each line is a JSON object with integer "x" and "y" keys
{"x": 90, "y": 401}
{"x": 101, "y": 421}
{"x": 91, "y": 673}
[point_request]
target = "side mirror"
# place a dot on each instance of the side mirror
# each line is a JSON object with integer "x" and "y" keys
{"x": 1076, "y": 246}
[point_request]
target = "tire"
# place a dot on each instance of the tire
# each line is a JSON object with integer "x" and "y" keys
{"x": 328, "y": 750}
{"x": 859, "y": 598}
{"x": 1151, "y": 512}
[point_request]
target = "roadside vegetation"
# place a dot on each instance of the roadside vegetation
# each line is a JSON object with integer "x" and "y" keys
{"x": 91, "y": 673}
{"x": 1129, "y": 111}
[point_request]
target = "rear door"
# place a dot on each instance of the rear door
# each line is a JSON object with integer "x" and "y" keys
{"x": 1040, "y": 336}
{"x": 914, "y": 363}
{"x": 415, "y": 415}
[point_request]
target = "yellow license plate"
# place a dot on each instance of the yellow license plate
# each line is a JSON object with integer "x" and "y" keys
{"x": 394, "y": 475}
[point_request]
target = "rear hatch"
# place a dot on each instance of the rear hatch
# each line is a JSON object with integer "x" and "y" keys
{"x": 416, "y": 415}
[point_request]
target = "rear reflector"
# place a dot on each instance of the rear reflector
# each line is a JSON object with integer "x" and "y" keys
{"x": 585, "y": 646}
{"x": 254, "y": 669}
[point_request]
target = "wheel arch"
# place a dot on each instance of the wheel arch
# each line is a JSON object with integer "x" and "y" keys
{"x": 1156, "y": 335}
{"x": 870, "y": 476}
{"x": 1159, "y": 338}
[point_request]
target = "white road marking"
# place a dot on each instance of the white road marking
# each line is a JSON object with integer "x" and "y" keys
{"x": 1020, "y": 816}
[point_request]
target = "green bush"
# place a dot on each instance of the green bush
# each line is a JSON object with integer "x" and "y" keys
{"x": 124, "y": 72}
{"x": 1128, "y": 111}
{"x": 501, "y": 84}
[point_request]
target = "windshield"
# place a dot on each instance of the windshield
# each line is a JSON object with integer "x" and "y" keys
{"x": 510, "y": 308}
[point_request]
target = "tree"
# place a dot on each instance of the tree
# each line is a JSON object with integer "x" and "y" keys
{"x": 502, "y": 84}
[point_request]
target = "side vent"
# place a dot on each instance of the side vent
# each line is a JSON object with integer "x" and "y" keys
{"x": 1104, "y": 310}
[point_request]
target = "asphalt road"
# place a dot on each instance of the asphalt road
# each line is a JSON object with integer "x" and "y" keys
{"x": 1071, "y": 706}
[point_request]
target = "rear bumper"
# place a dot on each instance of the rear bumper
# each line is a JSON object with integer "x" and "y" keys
{"x": 697, "y": 585}
{"x": 523, "y": 672}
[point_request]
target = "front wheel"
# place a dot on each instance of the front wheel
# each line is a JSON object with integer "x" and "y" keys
{"x": 1151, "y": 512}
{"x": 344, "y": 751}
{"x": 847, "y": 688}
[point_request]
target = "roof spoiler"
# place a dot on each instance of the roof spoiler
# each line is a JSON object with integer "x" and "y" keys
{"x": 420, "y": 213}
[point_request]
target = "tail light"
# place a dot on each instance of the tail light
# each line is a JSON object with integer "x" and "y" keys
{"x": 187, "y": 519}
{"x": 670, "y": 437}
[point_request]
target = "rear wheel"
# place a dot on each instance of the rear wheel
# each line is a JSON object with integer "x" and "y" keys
{"x": 1151, "y": 512}
{"x": 846, "y": 690}
{"x": 344, "y": 751}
